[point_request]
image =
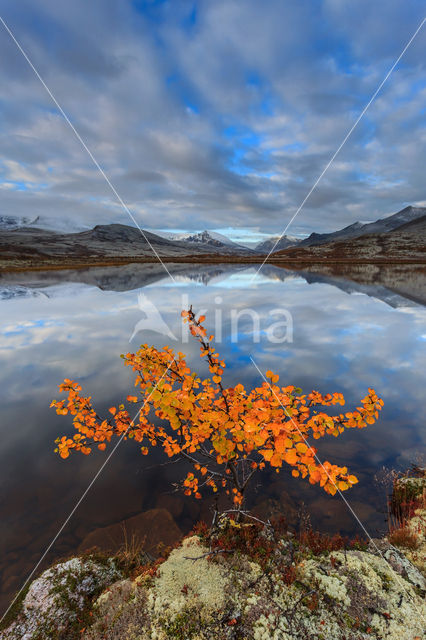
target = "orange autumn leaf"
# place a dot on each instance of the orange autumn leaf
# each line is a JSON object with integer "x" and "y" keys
{"x": 290, "y": 456}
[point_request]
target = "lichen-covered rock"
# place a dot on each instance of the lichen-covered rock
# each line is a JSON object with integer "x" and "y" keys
{"x": 405, "y": 549}
{"x": 400, "y": 561}
{"x": 362, "y": 590}
{"x": 335, "y": 596}
{"x": 187, "y": 591}
{"x": 56, "y": 600}
{"x": 413, "y": 486}
{"x": 187, "y": 579}
{"x": 285, "y": 590}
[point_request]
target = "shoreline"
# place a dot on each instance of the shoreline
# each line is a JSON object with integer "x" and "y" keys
{"x": 22, "y": 266}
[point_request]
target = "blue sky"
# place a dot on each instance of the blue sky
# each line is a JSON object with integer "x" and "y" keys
{"x": 217, "y": 115}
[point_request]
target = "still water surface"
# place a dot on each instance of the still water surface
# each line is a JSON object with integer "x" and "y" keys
{"x": 342, "y": 340}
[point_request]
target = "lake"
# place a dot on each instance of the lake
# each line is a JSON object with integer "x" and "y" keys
{"x": 317, "y": 332}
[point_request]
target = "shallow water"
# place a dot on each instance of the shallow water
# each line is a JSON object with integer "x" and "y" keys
{"x": 339, "y": 337}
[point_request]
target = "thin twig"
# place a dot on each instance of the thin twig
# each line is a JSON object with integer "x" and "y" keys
{"x": 209, "y": 553}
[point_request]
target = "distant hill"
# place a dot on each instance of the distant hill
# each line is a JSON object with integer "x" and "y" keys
{"x": 357, "y": 229}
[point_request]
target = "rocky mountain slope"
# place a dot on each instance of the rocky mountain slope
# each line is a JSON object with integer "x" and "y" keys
{"x": 406, "y": 242}
{"x": 358, "y": 229}
{"x": 401, "y": 237}
{"x": 105, "y": 241}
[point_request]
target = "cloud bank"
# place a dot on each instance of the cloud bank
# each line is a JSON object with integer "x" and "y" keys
{"x": 212, "y": 114}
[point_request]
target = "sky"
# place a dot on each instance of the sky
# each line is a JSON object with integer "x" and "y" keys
{"x": 212, "y": 115}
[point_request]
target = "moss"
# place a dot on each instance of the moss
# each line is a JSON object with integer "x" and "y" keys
{"x": 183, "y": 626}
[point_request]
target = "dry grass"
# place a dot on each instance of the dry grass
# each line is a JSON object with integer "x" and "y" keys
{"x": 405, "y": 538}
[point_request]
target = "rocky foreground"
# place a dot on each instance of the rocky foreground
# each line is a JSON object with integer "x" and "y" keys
{"x": 248, "y": 583}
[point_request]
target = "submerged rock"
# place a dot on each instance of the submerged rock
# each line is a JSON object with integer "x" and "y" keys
{"x": 149, "y": 528}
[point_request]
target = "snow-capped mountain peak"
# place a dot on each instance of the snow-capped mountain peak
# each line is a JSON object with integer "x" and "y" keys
{"x": 206, "y": 237}
{"x": 202, "y": 237}
{"x": 9, "y": 223}
{"x": 277, "y": 243}
{"x": 44, "y": 223}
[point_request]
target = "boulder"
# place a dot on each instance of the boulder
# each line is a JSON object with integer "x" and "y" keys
{"x": 55, "y": 602}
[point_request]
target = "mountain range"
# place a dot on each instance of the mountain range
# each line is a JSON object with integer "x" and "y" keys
{"x": 31, "y": 246}
{"x": 29, "y": 242}
{"x": 358, "y": 229}
{"x": 354, "y": 230}
{"x": 405, "y": 242}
